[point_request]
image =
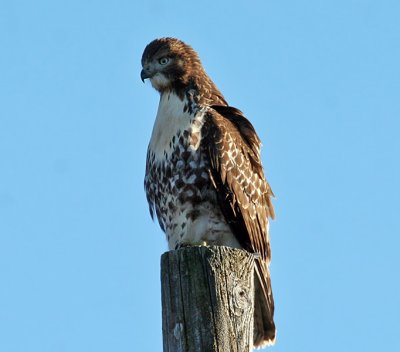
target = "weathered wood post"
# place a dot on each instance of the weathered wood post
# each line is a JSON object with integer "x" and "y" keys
{"x": 207, "y": 299}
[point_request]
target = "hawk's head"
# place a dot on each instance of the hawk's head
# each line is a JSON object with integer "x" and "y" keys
{"x": 169, "y": 63}
{"x": 172, "y": 65}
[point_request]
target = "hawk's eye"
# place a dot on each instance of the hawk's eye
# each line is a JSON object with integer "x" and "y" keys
{"x": 163, "y": 60}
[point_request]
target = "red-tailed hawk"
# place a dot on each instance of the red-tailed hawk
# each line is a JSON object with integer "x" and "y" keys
{"x": 204, "y": 179}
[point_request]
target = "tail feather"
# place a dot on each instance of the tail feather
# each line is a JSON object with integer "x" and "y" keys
{"x": 264, "y": 326}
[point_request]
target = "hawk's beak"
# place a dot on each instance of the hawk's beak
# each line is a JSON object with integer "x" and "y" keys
{"x": 144, "y": 74}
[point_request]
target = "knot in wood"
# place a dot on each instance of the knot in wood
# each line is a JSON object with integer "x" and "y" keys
{"x": 178, "y": 330}
{"x": 241, "y": 297}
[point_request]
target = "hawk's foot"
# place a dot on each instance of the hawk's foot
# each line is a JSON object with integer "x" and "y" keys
{"x": 193, "y": 244}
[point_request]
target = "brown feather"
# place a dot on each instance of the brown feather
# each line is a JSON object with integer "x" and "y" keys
{"x": 254, "y": 190}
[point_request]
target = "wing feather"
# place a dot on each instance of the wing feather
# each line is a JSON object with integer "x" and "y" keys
{"x": 244, "y": 195}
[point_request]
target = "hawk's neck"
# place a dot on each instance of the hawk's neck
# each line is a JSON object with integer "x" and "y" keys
{"x": 206, "y": 91}
{"x": 175, "y": 115}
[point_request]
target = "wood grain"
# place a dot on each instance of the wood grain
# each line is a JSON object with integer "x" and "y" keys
{"x": 207, "y": 299}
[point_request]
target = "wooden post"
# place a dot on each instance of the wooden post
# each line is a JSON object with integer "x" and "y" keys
{"x": 207, "y": 299}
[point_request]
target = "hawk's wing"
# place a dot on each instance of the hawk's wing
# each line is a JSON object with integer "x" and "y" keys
{"x": 242, "y": 190}
{"x": 244, "y": 195}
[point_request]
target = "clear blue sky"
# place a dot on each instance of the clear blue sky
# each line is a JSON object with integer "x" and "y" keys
{"x": 79, "y": 254}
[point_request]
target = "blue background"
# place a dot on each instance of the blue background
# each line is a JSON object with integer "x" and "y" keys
{"x": 79, "y": 254}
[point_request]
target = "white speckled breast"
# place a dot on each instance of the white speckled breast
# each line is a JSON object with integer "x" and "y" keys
{"x": 177, "y": 181}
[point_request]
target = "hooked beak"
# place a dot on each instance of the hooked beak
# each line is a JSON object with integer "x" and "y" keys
{"x": 145, "y": 73}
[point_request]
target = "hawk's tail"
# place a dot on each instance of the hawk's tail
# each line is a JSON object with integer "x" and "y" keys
{"x": 264, "y": 326}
